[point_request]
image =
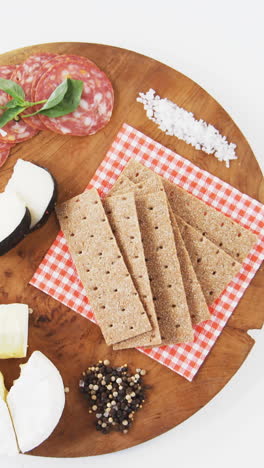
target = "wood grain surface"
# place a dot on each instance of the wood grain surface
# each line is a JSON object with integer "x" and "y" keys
{"x": 73, "y": 342}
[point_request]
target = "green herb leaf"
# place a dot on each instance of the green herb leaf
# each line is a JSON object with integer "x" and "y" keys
{"x": 13, "y": 103}
{"x": 70, "y": 101}
{"x": 10, "y": 114}
{"x": 12, "y": 88}
{"x": 57, "y": 96}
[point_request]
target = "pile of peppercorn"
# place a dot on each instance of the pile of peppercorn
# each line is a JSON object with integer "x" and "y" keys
{"x": 113, "y": 394}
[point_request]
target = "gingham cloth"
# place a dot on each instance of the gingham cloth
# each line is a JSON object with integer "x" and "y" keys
{"x": 56, "y": 275}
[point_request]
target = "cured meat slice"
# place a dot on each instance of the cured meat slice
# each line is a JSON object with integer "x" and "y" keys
{"x": 16, "y": 131}
{"x": 24, "y": 75}
{"x": 97, "y": 99}
{"x": 4, "y": 153}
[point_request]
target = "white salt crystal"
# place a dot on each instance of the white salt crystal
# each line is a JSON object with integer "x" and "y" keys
{"x": 176, "y": 121}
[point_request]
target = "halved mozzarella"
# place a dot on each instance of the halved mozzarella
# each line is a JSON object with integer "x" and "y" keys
{"x": 14, "y": 221}
{"x": 36, "y": 187}
{"x": 36, "y": 401}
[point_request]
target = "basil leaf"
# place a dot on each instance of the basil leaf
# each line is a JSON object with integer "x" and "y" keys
{"x": 13, "y": 103}
{"x": 12, "y": 88}
{"x": 70, "y": 101}
{"x": 57, "y": 95}
{"x": 10, "y": 114}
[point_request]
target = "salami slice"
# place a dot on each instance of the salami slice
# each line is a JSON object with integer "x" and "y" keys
{"x": 97, "y": 99}
{"x": 16, "y": 131}
{"x": 24, "y": 75}
{"x": 4, "y": 153}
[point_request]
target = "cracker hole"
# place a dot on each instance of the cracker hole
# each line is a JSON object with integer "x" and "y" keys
{"x": 123, "y": 309}
{"x": 127, "y": 217}
{"x": 76, "y": 201}
{"x": 124, "y": 198}
{"x": 145, "y": 296}
{"x": 160, "y": 247}
{"x": 137, "y": 174}
{"x": 214, "y": 273}
{"x": 150, "y": 208}
{"x": 169, "y": 286}
{"x": 113, "y": 230}
{"x": 201, "y": 240}
{"x": 115, "y": 290}
{"x": 140, "y": 276}
{"x": 156, "y": 227}
{"x": 65, "y": 217}
{"x": 199, "y": 260}
{"x": 237, "y": 254}
{"x": 80, "y": 252}
{"x": 205, "y": 213}
{"x": 132, "y": 237}
{"x": 217, "y": 252}
{"x": 173, "y": 306}
{"x": 136, "y": 256}
{"x": 177, "y": 325}
{"x": 103, "y": 220}
{"x": 108, "y": 212}
{"x": 107, "y": 272}
{"x": 163, "y": 337}
{"x": 211, "y": 293}
{"x": 103, "y": 307}
{"x": 95, "y": 202}
{"x": 100, "y": 254}
{"x": 192, "y": 316}
{"x": 131, "y": 328}
{"x": 119, "y": 256}
{"x": 239, "y": 234}
{"x": 127, "y": 274}
{"x": 110, "y": 325}
{"x": 87, "y": 270}
{"x": 111, "y": 238}
{"x": 158, "y": 318}
{"x": 146, "y": 259}
{"x": 204, "y": 233}
{"x": 72, "y": 234}
{"x": 84, "y": 217}
{"x": 221, "y": 243}
{"x": 140, "y": 186}
{"x": 95, "y": 288}
{"x": 154, "y": 298}
{"x": 166, "y": 266}
{"x": 91, "y": 235}
{"x": 222, "y": 224}
{"x": 233, "y": 264}
{"x": 135, "y": 294}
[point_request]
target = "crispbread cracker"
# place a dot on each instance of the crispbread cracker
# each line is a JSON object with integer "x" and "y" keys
{"x": 101, "y": 268}
{"x": 233, "y": 238}
{"x": 214, "y": 268}
{"x": 163, "y": 268}
{"x": 195, "y": 299}
{"x": 161, "y": 259}
{"x": 122, "y": 215}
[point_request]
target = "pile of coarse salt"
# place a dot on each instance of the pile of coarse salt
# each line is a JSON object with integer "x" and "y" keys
{"x": 176, "y": 121}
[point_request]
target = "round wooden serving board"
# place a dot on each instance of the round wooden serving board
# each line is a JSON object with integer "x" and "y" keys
{"x": 73, "y": 342}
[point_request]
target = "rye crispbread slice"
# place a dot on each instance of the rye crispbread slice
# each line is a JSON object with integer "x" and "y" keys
{"x": 195, "y": 298}
{"x": 101, "y": 267}
{"x": 214, "y": 268}
{"x": 233, "y": 238}
{"x": 161, "y": 259}
{"x": 122, "y": 216}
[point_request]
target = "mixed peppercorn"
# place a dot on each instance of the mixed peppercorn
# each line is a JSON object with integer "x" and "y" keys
{"x": 113, "y": 394}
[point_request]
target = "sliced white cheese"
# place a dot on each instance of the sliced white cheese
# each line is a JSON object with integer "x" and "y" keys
{"x": 34, "y": 185}
{"x": 13, "y": 330}
{"x": 12, "y": 211}
{"x": 36, "y": 401}
{"x": 8, "y": 443}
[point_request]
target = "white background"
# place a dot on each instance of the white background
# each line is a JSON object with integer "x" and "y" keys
{"x": 220, "y": 45}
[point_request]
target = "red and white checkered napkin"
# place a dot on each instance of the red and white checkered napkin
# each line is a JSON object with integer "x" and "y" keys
{"x": 57, "y": 276}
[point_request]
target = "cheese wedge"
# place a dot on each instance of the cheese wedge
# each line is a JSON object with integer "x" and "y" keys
{"x": 13, "y": 330}
{"x": 8, "y": 443}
